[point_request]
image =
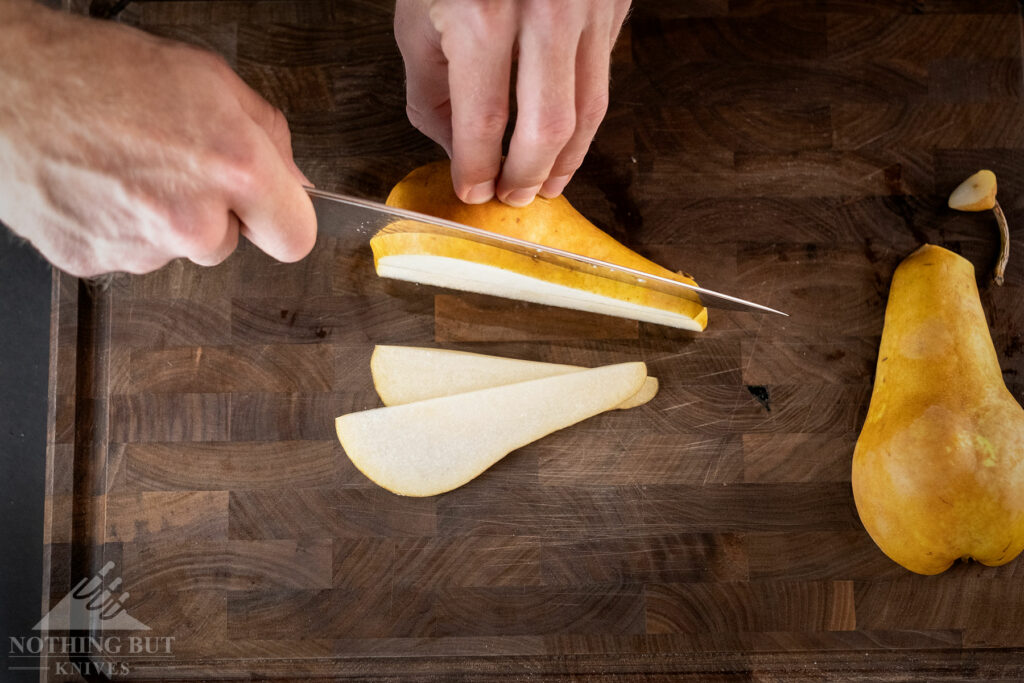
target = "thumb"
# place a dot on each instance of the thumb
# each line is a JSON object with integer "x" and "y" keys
{"x": 270, "y": 119}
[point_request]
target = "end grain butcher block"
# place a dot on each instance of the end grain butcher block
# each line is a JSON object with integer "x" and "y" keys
{"x": 791, "y": 153}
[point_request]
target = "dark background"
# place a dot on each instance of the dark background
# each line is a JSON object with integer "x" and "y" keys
{"x": 24, "y": 356}
{"x": 24, "y": 351}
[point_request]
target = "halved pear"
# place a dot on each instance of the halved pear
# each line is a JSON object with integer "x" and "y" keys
{"x": 405, "y": 251}
{"x": 977, "y": 193}
{"x": 433, "y": 446}
{"x": 405, "y": 374}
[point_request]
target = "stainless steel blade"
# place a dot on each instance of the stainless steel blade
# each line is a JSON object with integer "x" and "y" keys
{"x": 338, "y": 213}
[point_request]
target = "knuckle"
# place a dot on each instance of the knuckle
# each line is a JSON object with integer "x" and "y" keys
{"x": 487, "y": 125}
{"x": 206, "y": 59}
{"x": 148, "y": 265}
{"x": 293, "y": 250}
{"x": 275, "y": 122}
{"x": 478, "y": 20}
{"x": 236, "y": 165}
{"x": 592, "y": 111}
{"x": 200, "y": 240}
{"x": 552, "y": 130}
{"x": 416, "y": 117}
{"x": 569, "y": 163}
{"x": 547, "y": 12}
{"x": 491, "y": 17}
{"x": 211, "y": 259}
{"x": 195, "y": 62}
{"x": 195, "y": 234}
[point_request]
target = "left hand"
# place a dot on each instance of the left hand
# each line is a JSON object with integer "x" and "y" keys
{"x": 458, "y": 60}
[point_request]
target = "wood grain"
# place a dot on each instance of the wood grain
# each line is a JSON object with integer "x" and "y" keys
{"x": 236, "y": 565}
{"x": 761, "y": 606}
{"x": 791, "y": 152}
{"x": 236, "y": 465}
{"x": 466, "y": 318}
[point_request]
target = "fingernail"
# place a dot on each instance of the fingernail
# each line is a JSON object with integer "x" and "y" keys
{"x": 521, "y": 198}
{"x": 478, "y": 194}
{"x": 554, "y": 186}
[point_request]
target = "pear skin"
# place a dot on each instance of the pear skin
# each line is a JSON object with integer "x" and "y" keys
{"x": 938, "y": 470}
{"x": 458, "y": 263}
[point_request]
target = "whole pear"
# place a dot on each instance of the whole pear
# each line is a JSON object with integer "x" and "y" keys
{"x": 938, "y": 471}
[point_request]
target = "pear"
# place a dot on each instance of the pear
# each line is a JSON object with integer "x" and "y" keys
{"x": 405, "y": 374}
{"x": 978, "y": 193}
{"x": 406, "y": 253}
{"x": 430, "y": 447}
{"x": 938, "y": 470}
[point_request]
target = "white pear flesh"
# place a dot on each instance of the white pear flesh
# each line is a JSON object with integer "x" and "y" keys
{"x": 433, "y": 446}
{"x": 977, "y": 193}
{"x": 467, "y": 276}
{"x": 405, "y": 374}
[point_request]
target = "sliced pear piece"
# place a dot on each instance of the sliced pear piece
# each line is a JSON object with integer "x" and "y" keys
{"x": 433, "y": 446}
{"x": 405, "y": 374}
{"x": 405, "y": 251}
{"x": 978, "y": 193}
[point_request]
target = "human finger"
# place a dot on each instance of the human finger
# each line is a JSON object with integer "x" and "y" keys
{"x": 426, "y": 72}
{"x": 227, "y": 245}
{"x": 592, "y": 67}
{"x": 265, "y": 115}
{"x": 479, "y": 67}
{"x": 276, "y": 212}
{"x": 545, "y": 94}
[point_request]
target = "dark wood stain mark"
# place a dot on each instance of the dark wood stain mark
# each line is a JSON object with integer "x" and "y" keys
{"x": 762, "y": 396}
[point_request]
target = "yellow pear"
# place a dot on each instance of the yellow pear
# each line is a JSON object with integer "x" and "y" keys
{"x": 938, "y": 470}
{"x": 460, "y": 264}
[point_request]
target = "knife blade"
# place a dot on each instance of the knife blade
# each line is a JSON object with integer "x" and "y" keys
{"x": 341, "y": 214}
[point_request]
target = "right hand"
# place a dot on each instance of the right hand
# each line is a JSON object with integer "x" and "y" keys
{"x": 120, "y": 151}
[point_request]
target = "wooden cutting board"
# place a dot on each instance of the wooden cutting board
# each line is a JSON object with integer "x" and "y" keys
{"x": 787, "y": 152}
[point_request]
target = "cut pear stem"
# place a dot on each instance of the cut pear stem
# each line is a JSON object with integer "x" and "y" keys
{"x": 1004, "y": 245}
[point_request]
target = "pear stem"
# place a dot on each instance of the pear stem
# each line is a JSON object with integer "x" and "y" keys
{"x": 1004, "y": 245}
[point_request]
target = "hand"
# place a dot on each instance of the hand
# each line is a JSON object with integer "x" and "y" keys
{"x": 120, "y": 151}
{"x": 458, "y": 59}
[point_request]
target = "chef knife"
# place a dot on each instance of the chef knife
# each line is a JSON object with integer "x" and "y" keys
{"x": 341, "y": 214}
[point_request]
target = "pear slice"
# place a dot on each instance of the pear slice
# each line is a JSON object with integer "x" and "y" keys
{"x": 433, "y": 446}
{"x": 405, "y": 374}
{"x": 406, "y": 250}
{"x": 978, "y": 193}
